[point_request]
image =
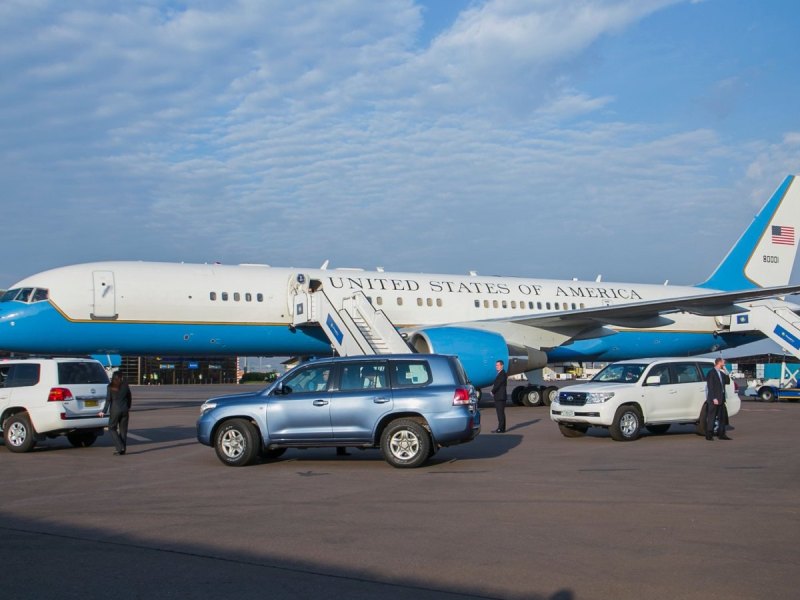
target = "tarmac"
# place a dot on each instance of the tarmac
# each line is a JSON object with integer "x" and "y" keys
{"x": 527, "y": 514}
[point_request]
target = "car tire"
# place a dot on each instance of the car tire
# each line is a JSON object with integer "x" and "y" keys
{"x": 532, "y": 396}
{"x": 272, "y": 453}
{"x": 236, "y": 443}
{"x": 82, "y": 439}
{"x": 18, "y": 433}
{"x": 573, "y": 430}
{"x": 627, "y": 425}
{"x": 658, "y": 429}
{"x": 549, "y": 395}
{"x": 405, "y": 444}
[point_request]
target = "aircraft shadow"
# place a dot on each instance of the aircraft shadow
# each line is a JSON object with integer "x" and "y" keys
{"x": 153, "y": 568}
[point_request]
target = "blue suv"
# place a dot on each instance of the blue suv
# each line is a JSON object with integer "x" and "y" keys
{"x": 407, "y": 405}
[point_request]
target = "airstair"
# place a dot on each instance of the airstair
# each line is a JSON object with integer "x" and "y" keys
{"x": 779, "y": 324}
{"x": 355, "y": 328}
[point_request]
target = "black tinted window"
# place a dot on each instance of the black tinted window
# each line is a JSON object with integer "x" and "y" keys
{"x": 662, "y": 372}
{"x": 410, "y": 373}
{"x": 81, "y": 372}
{"x": 308, "y": 379}
{"x": 687, "y": 373}
{"x": 458, "y": 371}
{"x": 363, "y": 376}
{"x": 23, "y": 375}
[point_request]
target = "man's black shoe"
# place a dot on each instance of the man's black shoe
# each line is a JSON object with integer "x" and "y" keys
{"x": 709, "y": 438}
{"x": 725, "y": 437}
{"x": 499, "y": 431}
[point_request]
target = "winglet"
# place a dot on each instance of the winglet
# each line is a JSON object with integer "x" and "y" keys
{"x": 764, "y": 255}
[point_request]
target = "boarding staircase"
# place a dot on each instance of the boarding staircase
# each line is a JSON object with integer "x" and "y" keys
{"x": 357, "y": 328}
{"x": 780, "y": 324}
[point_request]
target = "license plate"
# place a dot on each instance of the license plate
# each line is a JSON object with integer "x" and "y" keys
{"x": 90, "y": 403}
{"x": 568, "y": 413}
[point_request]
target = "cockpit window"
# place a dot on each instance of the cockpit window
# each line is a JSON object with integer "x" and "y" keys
{"x": 25, "y": 295}
{"x": 10, "y": 295}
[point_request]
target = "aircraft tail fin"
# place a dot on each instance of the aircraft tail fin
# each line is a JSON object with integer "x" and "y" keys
{"x": 764, "y": 256}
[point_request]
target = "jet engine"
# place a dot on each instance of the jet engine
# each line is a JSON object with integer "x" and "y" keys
{"x": 478, "y": 350}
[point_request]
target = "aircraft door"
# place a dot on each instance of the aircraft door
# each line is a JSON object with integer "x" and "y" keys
{"x": 298, "y": 288}
{"x": 105, "y": 304}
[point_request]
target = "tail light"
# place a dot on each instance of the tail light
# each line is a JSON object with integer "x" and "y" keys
{"x": 59, "y": 395}
{"x": 461, "y": 396}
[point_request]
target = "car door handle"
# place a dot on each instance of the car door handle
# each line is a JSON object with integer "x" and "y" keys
{"x": 380, "y": 400}
{"x": 320, "y": 402}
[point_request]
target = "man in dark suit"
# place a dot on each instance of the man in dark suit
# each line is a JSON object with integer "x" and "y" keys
{"x": 117, "y": 407}
{"x": 500, "y": 397}
{"x": 716, "y": 383}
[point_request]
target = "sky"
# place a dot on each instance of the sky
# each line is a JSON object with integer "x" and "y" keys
{"x": 537, "y": 138}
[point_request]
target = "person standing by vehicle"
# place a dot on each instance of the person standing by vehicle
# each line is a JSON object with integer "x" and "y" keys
{"x": 117, "y": 406}
{"x": 500, "y": 396}
{"x": 716, "y": 382}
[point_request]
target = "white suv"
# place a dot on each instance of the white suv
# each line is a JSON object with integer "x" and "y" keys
{"x": 651, "y": 393}
{"x": 47, "y": 397}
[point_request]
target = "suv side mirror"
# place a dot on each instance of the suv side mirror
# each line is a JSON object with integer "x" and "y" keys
{"x": 653, "y": 380}
{"x": 282, "y": 390}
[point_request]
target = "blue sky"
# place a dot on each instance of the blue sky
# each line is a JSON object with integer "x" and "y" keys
{"x": 543, "y": 138}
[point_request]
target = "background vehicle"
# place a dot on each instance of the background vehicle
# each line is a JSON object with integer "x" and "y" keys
{"x": 630, "y": 395}
{"x": 47, "y": 397}
{"x": 407, "y": 405}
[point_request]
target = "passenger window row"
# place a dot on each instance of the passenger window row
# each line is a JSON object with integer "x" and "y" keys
{"x": 529, "y": 305}
{"x": 236, "y": 297}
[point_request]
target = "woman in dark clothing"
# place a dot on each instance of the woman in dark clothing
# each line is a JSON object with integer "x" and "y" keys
{"x": 118, "y": 404}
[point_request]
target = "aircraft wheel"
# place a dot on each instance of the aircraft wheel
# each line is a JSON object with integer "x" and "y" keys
{"x": 550, "y": 395}
{"x": 532, "y": 396}
{"x": 516, "y": 395}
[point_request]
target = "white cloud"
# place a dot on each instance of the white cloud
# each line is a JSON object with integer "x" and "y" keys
{"x": 289, "y": 133}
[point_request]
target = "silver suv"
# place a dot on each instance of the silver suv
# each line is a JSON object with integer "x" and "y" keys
{"x": 408, "y": 405}
{"x": 47, "y": 397}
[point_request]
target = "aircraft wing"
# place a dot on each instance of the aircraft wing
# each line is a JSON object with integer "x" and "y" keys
{"x": 650, "y": 313}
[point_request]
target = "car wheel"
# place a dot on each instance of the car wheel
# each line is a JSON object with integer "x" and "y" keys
{"x": 658, "y": 429}
{"x": 82, "y": 439}
{"x": 766, "y": 394}
{"x": 18, "y": 433}
{"x": 550, "y": 395}
{"x": 272, "y": 453}
{"x": 532, "y": 396}
{"x": 236, "y": 443}
{"x": 405, "y": 444}
{"x": 572, "y": 430}
{"x": 627, "y": 424}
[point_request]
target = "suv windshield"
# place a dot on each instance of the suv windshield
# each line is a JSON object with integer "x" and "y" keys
{"x": 620, "y": 373}
{"x": 81, "y": 372}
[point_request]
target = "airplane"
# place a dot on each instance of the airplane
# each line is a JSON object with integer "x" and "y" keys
{"x": 154, "y": 308}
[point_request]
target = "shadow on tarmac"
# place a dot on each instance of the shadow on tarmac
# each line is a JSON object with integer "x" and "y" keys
{"x": 136, "y": 567}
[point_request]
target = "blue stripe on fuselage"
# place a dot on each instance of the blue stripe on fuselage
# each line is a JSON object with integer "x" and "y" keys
{"x": 40, "y": 328}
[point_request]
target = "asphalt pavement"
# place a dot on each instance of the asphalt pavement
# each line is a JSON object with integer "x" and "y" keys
{"x": 527, "y": 514}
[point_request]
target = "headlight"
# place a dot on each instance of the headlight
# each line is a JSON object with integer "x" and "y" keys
{"x": 598, "y": 397}
{"x": 207, "y": 406}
